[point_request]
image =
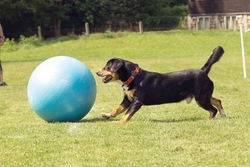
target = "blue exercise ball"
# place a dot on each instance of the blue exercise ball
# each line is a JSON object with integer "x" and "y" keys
{"x": 61, "y": 89}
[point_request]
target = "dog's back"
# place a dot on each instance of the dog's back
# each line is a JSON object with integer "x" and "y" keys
{"x": 171, "y": 87}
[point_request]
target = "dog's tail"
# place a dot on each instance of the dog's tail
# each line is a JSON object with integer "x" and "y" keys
{"x": 215, "y": 57}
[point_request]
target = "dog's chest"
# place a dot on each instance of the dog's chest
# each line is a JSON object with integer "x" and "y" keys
{"x": 128, "y": 93}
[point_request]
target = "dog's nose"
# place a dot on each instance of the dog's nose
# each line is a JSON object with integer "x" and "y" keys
{"x": 98, "y": 73}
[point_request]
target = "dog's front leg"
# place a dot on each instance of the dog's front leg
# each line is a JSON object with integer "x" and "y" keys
{"x": 119, "y": 109}
{"x": 135, "y": 106}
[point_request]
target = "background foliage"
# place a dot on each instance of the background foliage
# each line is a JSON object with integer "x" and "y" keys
{"x": 56, "y": 17}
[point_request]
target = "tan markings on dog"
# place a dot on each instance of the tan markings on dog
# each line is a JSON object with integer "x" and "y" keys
{"x": 198, "y": 103}
{"x": 115, "y": 76}
{"x": 211, "y": 113}
{"x": 130, "y": 94}
{"x": 125, "y": 118}
{"x": 104, "y": 72}
{"x": 217, "y": 103}
{"x": 118, "y": 110}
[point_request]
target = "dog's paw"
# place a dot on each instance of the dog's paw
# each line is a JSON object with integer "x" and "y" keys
{"x": 223, "y": 115}
{"x": 106, "y": 115}
{"x": 116, "y": 122}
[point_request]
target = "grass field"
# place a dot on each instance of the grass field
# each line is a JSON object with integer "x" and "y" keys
{"x": 166, "y": 135}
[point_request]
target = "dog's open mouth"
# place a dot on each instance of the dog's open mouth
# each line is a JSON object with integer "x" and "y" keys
{"x": 107, "y": 78}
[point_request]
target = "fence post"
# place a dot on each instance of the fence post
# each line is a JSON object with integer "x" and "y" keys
{"x": 39, "y": 32}
{"x": 197, "y": 25}
{"x": 235, "y": 25}
{"x": 140, "y": 27}
{"x": 87, "y": 29}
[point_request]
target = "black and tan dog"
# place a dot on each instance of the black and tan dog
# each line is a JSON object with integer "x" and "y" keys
{"x": 142, "y": 87}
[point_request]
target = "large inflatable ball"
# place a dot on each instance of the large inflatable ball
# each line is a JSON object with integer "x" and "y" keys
{"x": 61, "y": 89}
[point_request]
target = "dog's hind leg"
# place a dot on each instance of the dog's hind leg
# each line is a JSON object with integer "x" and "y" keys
{"x": 204, "y": 101}
{"x": 217, "y": 103}
{"x": 209, "y": 107}
{"x": 203, "y": 96}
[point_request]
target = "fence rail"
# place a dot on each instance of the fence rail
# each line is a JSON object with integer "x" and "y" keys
{"x": 86, "y": 29}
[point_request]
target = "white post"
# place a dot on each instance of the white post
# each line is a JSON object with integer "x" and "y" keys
{"x": 243, "y": 51}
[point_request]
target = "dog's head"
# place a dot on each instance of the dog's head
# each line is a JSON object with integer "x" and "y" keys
{"x": 116, "y": 69}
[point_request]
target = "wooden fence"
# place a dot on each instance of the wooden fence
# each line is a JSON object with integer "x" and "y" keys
{"x": 87, "y": 30}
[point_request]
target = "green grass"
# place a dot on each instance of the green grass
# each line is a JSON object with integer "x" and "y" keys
{"x": 166, "y": 135}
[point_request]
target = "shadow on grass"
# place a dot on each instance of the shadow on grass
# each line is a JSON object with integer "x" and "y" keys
{"x": 93, "y": 120}
{"x": 177, "y": 120}
{"x": 189, "y": 119}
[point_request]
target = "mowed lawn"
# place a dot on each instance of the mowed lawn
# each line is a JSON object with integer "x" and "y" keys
{"x": 177, "y": 134}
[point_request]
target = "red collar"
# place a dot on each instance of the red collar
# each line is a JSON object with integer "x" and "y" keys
{"x": 132, "y": 77}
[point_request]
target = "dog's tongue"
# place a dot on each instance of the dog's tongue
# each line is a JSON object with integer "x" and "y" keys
{"x": 107, "y": 79}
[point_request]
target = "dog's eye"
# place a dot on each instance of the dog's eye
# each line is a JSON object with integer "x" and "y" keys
{"x": 107, "y": 68}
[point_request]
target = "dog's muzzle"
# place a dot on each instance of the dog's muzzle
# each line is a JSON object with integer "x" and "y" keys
{"x": 106, "y": 78}
{"x": 98, "y": 73}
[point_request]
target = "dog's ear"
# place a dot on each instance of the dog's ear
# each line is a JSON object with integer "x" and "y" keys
{"x": 115, "y": 64}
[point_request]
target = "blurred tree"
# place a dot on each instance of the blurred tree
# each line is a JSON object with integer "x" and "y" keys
{"x": 16, "y": 17}
{"x": 162, "y": 13}
{"x": 51, "y": 13}
{"x": 23, "y": 16}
